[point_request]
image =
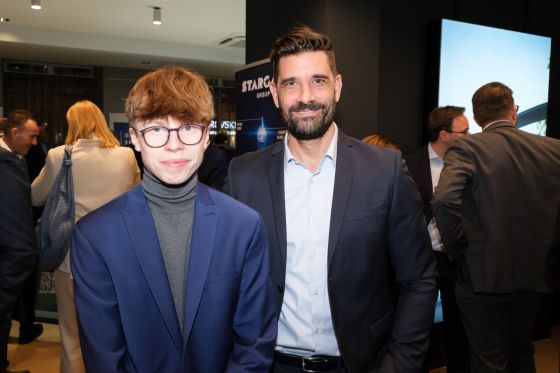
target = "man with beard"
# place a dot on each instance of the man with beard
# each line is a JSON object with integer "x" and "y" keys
{"x": 351, "y": 260}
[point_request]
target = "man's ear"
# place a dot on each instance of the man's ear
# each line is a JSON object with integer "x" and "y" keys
{"x": 272, "y": 88}
{"x": 514, "y": 115}
{"x": 337, "y": 87}
{"x": 206, "y": 138}
{"x": 134, "y": 139}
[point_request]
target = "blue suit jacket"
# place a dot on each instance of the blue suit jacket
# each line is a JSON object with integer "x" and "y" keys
{"x": 126, "y": 313}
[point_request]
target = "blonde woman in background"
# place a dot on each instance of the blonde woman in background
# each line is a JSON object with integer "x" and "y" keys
{"x": 101, "y": 170}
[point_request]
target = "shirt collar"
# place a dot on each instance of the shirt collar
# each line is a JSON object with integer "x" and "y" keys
{"x": 4, "y": 145}
{"x": 432, "y": 153}
{"x": 496, "y": 121}
{"x": 331, "y": 150}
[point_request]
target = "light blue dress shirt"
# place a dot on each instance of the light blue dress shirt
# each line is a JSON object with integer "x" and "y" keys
{"x": 305, "y": 327}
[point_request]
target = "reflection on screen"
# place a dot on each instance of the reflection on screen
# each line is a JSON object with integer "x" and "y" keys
{"x": 473, "y": 55}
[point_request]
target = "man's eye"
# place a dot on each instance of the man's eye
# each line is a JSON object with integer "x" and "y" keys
{"x": 319, "y": 81}
{"x": 289, "y": 83}
{"x": 156, "y": 129}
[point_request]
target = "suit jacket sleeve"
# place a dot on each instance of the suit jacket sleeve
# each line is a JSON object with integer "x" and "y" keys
{"x": 413, "y": 262}
{"x": 448, "y": 199}
{"x": 255, "y": 323}
{"x": 101, "y": 335}
{"x": 18, "y": 245}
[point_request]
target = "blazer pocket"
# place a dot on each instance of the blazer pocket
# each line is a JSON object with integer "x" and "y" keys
{"x": 381, "y": 327}
{"x": 366, "y": 212}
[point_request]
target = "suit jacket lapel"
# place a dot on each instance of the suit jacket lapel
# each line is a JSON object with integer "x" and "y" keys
{"x": 276, "y": 183}
{"x": 342, "y": 183}
{"x": 202, "y": 244}
{"x": 143, "y": 236}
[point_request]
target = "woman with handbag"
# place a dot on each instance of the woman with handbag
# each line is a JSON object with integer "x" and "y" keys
{"x": 101, "y": 170}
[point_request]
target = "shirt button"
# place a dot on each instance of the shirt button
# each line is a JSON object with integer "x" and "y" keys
{"x": 316, "y": 331}
{"x": 315, "y": 292}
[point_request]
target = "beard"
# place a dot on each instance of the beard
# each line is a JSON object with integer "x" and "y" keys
{"x": 311, "y": 127}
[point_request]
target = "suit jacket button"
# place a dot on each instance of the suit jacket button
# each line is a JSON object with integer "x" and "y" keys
{"x": 280, "y": 289}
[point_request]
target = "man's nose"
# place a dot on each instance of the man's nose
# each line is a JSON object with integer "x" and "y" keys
{"x": 306, "y": 93}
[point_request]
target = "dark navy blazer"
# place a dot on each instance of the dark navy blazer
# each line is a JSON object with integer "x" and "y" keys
{"x": 381, "y": 270}
{"x": 126, "y": 313}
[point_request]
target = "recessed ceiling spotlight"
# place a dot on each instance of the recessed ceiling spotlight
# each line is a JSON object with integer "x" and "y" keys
{"x": 36, "y": 5}
{"x": 157, "y": 16}
{"x": 4, "y": 19}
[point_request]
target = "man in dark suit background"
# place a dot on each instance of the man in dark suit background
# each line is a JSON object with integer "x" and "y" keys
{"x": 351, "y": 263}
{"x": 18, "y": 245}
{"x": 445, "y": 124}
{"x": 24, "y": 311}
{"x": 496, "y": 206}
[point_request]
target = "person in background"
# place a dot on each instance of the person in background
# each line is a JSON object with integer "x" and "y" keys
{"x": 222, "y": 140}
{"x": 22, "y": 135}
{"x": 24, "y": 311}
{"x": 352, "y": 269}
{"x": 213, "y": 170}
{"x": 496, "y": 207}
{"x": 445, "y": 125}
{"x": 18, "y": 244}
{"x": 101, "y": 170}
{"x": 173, "y": 276}
{"x": 381, "y": 140}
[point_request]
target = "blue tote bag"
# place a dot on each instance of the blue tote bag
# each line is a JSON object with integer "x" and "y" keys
{"x": 54, "y": 229}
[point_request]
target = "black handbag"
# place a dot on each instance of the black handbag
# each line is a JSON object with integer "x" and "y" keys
{"x": 54, "y": 229}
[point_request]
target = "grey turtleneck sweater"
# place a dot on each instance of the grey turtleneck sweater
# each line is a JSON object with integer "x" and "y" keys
{"x": 172, "y": 208}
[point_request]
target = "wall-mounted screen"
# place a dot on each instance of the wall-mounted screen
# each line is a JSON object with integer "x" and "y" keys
{"x": 472, "y": 55}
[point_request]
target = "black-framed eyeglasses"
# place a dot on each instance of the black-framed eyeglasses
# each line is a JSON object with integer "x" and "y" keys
{"x": 516, "y": 108}
{"x": 158, "y": 136}
{"x": 464, "y": 132}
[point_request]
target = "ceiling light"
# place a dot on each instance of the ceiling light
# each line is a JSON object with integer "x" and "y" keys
{"x": 157, "y": 16}
{"x": 4, "y": 19}
{"x": 36, "y": 4}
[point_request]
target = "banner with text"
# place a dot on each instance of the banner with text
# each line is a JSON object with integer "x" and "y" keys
{"x": 258, "y": 121}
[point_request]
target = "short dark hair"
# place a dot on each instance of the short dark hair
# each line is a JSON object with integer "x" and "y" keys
{"x": 441, "y": 118}
{"x": 491, "y": 102}
{"x": 301, "y": 39}
{"x": 17, "y": 119}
